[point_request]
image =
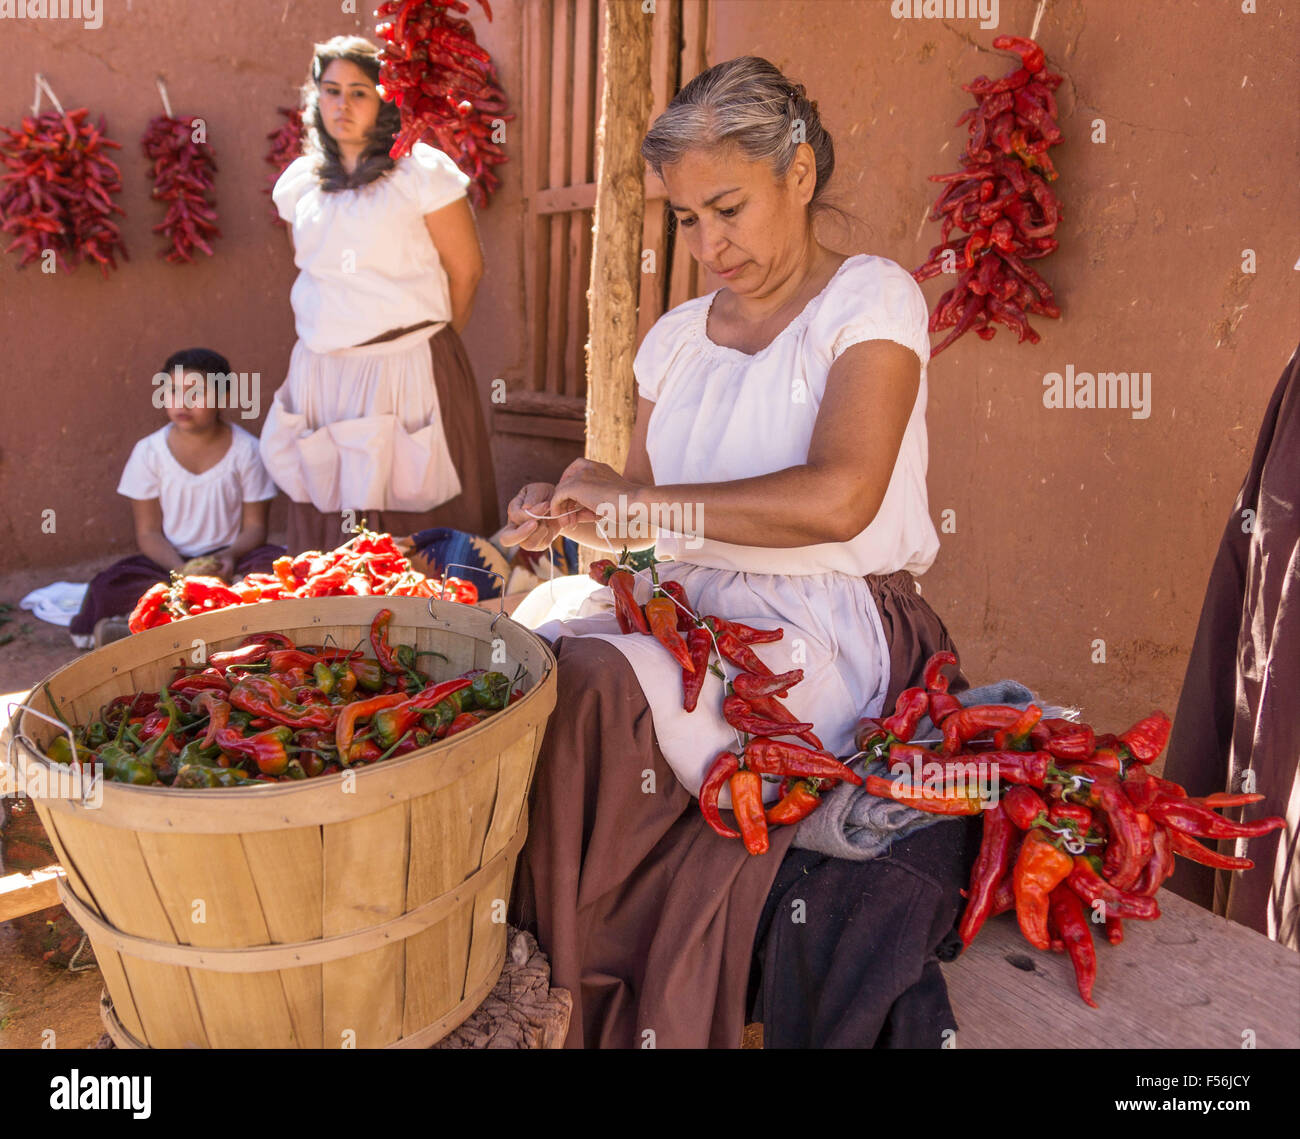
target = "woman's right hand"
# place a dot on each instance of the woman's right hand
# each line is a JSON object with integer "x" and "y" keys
{"x": 525, "y": 530}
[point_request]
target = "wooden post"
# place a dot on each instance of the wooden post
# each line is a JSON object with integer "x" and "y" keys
{"x": 616, "y": 229}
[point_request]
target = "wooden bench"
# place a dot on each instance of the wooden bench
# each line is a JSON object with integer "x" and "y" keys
{"x": 1189, "y": 980}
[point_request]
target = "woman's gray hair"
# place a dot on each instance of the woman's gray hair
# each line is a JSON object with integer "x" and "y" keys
{"x": 748, "y": 103}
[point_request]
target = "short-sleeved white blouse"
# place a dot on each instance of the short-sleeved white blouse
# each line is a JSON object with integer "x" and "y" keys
{"x": 366, "y": 264}
{"x": 721, "y": 414}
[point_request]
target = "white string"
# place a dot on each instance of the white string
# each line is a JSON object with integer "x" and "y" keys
{"x": 1038, "y": 16}
{"x": 42, "y": 85}
{"x": 162, "y": 90}
{"x": 722, "y": 661}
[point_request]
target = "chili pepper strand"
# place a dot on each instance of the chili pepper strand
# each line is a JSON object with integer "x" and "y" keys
{"x": 446, "y": 86}
{"x": 1002, "y": 201}
{"x": 183, "y": 171}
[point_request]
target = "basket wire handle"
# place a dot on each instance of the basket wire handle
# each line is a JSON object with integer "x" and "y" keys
{"x": 15, "y": 737}
{"x": 501, "y": 612}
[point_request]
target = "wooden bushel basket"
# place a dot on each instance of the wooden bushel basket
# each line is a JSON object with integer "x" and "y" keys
{"x": 360, "y": 909}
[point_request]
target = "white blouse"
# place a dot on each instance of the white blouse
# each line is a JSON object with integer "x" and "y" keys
{"x": 366, "y": 262}
{"x": 722, "y": 414}
{"x": 200, "y": 512}
{"x": 719, "y": 415}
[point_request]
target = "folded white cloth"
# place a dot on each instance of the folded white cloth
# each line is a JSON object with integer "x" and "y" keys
{"x": 58, "y": 603}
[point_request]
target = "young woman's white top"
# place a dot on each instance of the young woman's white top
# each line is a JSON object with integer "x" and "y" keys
{"x": 366, "y": 263}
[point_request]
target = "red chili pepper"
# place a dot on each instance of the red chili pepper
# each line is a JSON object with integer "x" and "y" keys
{"x": 685, "y": 614}
{"x": 1226, "y": 799}
{"x": 621, "y": 584}
{"x": 921, "y": 800}
{"x": 1023, "y": 806}
{"x": 149, "y": 611}
{"x": 1140, "y": 787}
{"x": 351, "y": 713}
{"x": 1077, "y": 742}
{"x": 1072, "y": 923}
{"x": 266, "y": 749}
{"x": 1147, "y": 738}
{"x": 747, "y": 803}
{"x": 661, "y": 615}
{"x": 1031, "y": 55}
{"x": 933, "y": 676}
{"x": 1124, "y": 852}
{"x": 911, "y": 706}
{"x": 1092, "y": 888}
{"x": 740, "y": 654}
{"x": 745, "y": 634}
{"x": 1193, "y": 819}
{"x": 1040, "y": 868}
{"x": 379, "y": 642}
{"x": 796, "y": 804}
{"x": 776, "y": 757}
{"x": 991, "y": 864}
{"x": 772, "y": 709}
{"x": 266, "y": 697}
{"x": 738, "y": 714}
{"x": 700, "y": 645}
{"x": 966, "y": 724}
{"x": 724, "y": 766}
{"x": 751, "y": 685}
{"x": 1188, "y": 847}
{"x": 209, "y": 678}
{"x": 1060, "y": 813}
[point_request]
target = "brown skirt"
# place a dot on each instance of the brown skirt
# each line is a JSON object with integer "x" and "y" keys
{"x": 475, "y": 510}
{"x": 649, "y": 917}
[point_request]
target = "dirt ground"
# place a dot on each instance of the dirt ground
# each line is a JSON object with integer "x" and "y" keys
{"x": 36, "y": 997}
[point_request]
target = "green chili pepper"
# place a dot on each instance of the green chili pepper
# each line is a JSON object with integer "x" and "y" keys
{"x": 491, "y": 691}
{"x": 324, "y": 677}
{"x": 368, "y": 673}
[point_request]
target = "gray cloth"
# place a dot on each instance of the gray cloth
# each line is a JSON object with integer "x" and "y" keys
{"x": 855, "y": 825}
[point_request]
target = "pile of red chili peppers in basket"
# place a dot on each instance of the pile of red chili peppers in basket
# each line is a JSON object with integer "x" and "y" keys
{"x": 270, "y": 711}
{"x": 446, "y": 85}
{"x": 58, "y": 190}
{"x": 750, "y": 706}
{"x": 1084, "y": 831}
{"x": 183, "y": 170}
{"x": 369, "y": 565}
{"x": 1002, "y": 200}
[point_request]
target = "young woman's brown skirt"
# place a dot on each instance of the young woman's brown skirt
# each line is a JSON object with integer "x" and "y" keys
{"x": 474, "y": 510}
{"x": 649, "y": 917}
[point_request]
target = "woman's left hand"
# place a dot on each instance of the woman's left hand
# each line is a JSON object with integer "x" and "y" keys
{"x": 596, "y": 486}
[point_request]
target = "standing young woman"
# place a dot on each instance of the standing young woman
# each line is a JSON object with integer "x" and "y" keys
{"x": 787, "y": 410}
{"x": 380, "y": 413}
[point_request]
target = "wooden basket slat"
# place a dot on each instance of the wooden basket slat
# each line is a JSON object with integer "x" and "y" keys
{"x": 211, "y": 869}
{"x": 295, "y": 863}
{"x": 240, "y": 1010}
{"x": 288, "y": 869}
{"x": 447, "y": 833}
{"x": 111, "y": 969}
{"x": 363, "y": 996}
{"x": 515, "y": 766}
{"x": 435, "y": 968}
{"x": 305, "y": 996}
{"x": 488, "y": 932}
{"x": 164, "y": 998}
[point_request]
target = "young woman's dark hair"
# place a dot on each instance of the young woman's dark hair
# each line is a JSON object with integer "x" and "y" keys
{"x": 374, "y": 162}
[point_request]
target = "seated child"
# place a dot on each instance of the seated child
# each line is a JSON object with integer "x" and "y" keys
{"x": 198, "y": 490}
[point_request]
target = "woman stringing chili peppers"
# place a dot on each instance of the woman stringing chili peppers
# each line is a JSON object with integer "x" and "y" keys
{"x": 793, "y": 527}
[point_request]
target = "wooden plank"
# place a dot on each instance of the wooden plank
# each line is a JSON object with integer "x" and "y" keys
{"x": 22, "y": 894}
{"x": 1191, "y": 979}
{"x": 682, "y": 280}
{"x": 557, "y": 279}
{"x": 545, "y": 426}
{"x": 566, "y": 199}
{"x": 664, "y": 66}
{"x": 537, "y": 50}
{"x": 581, "y": 128}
